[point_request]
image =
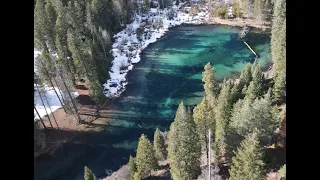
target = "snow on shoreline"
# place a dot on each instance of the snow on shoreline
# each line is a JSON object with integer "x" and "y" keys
{"x": 52, "y": 99}
{"x": 126, "y": 52}
{"x": 127, "y": 48}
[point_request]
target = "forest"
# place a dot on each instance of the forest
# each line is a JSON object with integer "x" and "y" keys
{"x": 231, "y": 134}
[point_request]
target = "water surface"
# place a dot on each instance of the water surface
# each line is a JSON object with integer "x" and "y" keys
{"x": 169, "y": 72}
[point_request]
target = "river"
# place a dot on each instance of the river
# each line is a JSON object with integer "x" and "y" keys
{"x": 169, "y": 72}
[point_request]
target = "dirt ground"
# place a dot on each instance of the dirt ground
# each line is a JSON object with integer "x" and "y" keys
{"x": 239, "y": 22}
{"x": 68, "y": 123}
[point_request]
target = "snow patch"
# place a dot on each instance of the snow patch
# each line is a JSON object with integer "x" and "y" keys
{"x": 52, "y": 99}
{"x": 127, "y": 48}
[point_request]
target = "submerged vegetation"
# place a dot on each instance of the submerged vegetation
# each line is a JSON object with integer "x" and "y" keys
{"x": 244, "y": 115}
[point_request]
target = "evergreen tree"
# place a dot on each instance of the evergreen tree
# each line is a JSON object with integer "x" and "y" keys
{"x": 278, "y": 35}
{"x": 50, "y": 24}
{"x": 203, "y": 116}
{"x": 137, "y": 176}
{"x": 211, "y": 87}
{"x": 280, "y": 64}
{"x": 39, "y": 25}
{"x": 222, "y": 113}
{"x": 258, "y": 10}
{"x": 245, "y": 76}
{"x": 145, "y": 159}
{"x": 279, "y": 86}
{"x": 132, "y": 167}
{"x": 61, "y": 42}
{"x": 158, "y": 144}
{"x": 267, "y": 5}
{"x": 88, "y": 175}
{"x": 255, "y": 88}
{"x": 247, "y": 163}
{"x": 146, "y": 5}
{"x": 177, "y": 2}
{"x": 184, "y": 149}
{"x": 247, "y": 116}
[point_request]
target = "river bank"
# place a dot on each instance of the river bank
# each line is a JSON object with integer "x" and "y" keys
{"x": 154, "y": 24}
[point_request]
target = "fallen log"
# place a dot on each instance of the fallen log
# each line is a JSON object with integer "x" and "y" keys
{"x": 251, "y": 49}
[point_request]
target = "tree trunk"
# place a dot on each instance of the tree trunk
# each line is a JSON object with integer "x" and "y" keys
{"x": 43, "y": 104}
{"x": 206, "y": 139}
{"x": 44, "y": 126}
{"x": 53, "y": 86}
{"x": 52, "y": 112}
{"x": 62, "y": 98}
{"x": 72, "y": 101}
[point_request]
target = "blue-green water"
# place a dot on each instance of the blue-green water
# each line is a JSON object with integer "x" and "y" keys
{"x": 169, "y": 72}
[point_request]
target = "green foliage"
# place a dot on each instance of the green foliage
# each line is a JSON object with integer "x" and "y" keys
{"x": 159, "y": 146}
{"x": 137, "y": 176}
{"x": 203, "y": 116}
{"x": 146, "y": 5}
{"x": 236, "y": 9}
{"x": 223, "y": 112}
{"x": 145, "y": 158}
{"x": 88, "y": 175}
{"x": 247, "y": 163}
{"x": 245, "y": 76}
{"x": 279, "y": 86}
{"x": 282, "y": 173}
{"x": 211, "y": 87}
{"x": 77, "y": 30}
{"x": 139, "y": 32}
{"x": 39, "y": 25}
{"x": 258, "y": 10}
{"x": 255, "y": 88}
{"x": 222, "y": 12}
{"x": 50, "y": 24}
{"x": 278, "y": 35}
{"x": 267, "y": 5}
{"x": 183, "y": 146}
{"x": 132, "y": 167}
{"x": 247, "y": 116}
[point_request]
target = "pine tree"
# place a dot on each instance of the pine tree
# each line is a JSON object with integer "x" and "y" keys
{"x": 258, "y": 10}
{"x": 145, "y": 159}
{"x": 278, "y": 36}
{"x": 51, "y": 17}
{"x": 279, "y": 86}
{"x": 245, "y": 76}
{"x": 223, "y": 112}
{"x": 248, "y": 163}
{"x": 203, "y": 116}
{"x": 247, "y": 116}
{"x": 211, "y": 87}
{"x": 184, "y": 149}
{"x": 88, "y": 175}
{"x": 177, "y": 2}
{"x": 280, "y": 65}
{"x": 267, "y": 5}
{"x": 146, "y": 5}
{"x": 62, "y": 44}
{"x": 255, "y": 88}
{"x": 137, "y": 176}
{"x": 39, "y": 25}
{"x": 132, "y": 167}
{"x": 159, "y": 146}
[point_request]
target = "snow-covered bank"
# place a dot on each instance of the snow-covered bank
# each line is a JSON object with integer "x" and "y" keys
{"x": 126, "y": 48}
{"x": 52, "y": 99}
{"x": 36, "y": 54}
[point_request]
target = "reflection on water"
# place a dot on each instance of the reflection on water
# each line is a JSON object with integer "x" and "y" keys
{"x": 169, "y": 72}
